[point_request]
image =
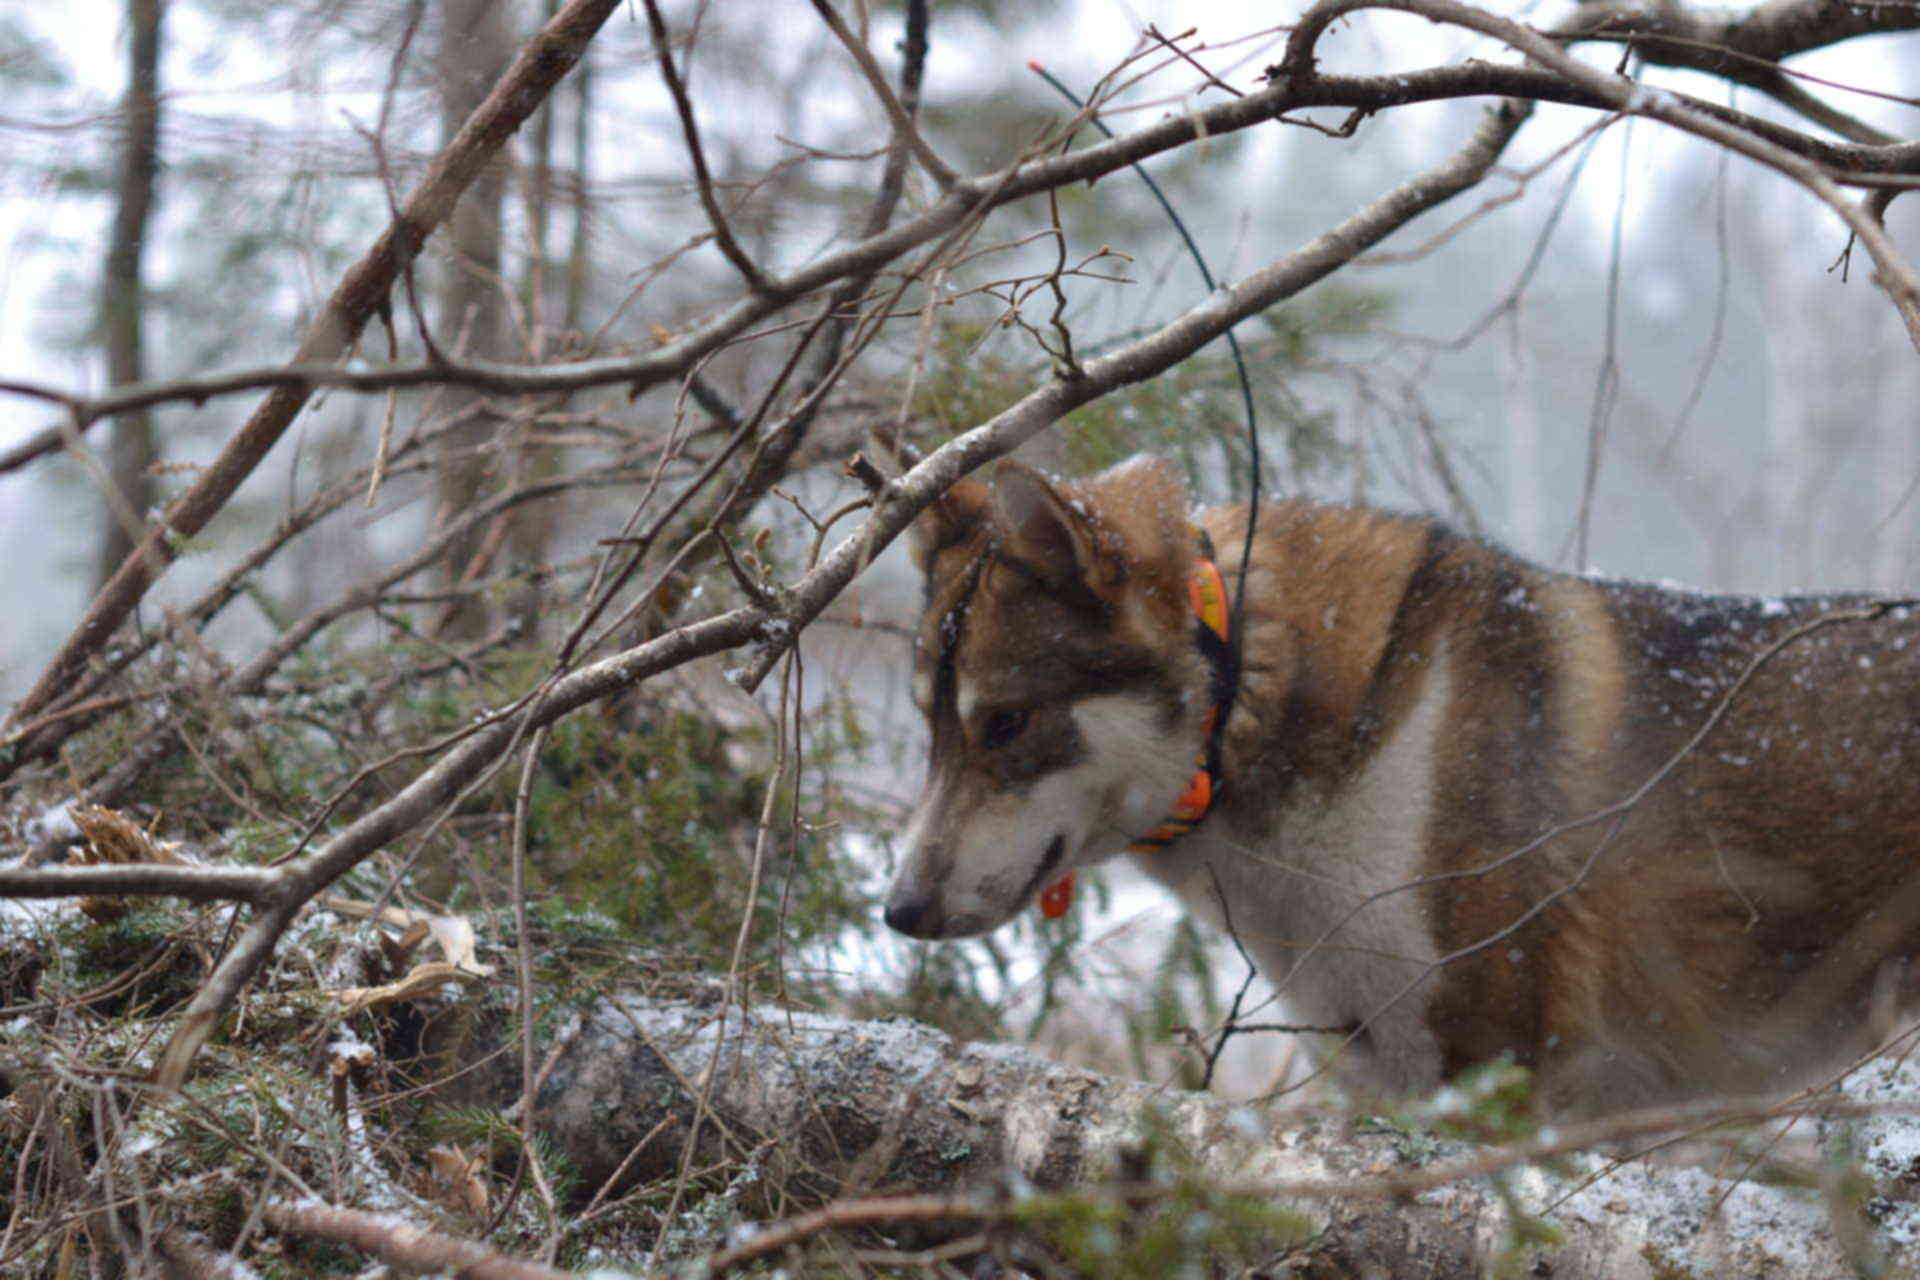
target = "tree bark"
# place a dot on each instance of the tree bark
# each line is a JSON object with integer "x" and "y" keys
{"x": 530, "y": 530}
{"x": 474, "y": 49}
{"x": 131, "y": 450}
{"x": 579, "y": 254}
{"x": 832, "y": 1108}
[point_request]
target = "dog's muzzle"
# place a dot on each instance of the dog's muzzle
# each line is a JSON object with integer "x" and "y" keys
{"x": 913, "y": 917}
{"x": 924, "y": 914}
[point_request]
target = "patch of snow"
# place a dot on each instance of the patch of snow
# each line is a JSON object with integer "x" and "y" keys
{"x": 1688, "y": 1214}
{"x": 347, "y": 1044}
{"x": 1888, "y": 1144}
{"x": 55, "y": 823}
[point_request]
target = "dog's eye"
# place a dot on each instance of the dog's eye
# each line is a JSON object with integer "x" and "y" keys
{"x": 1003, "y": 727}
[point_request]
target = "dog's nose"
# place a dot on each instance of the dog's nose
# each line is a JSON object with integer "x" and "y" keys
{"x": 911, "y": 916}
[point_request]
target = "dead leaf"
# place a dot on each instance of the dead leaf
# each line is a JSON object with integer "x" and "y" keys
{"x": 454, "y": 935}
{"x": 421, "y": 981}
{"x": 112, "y": 838}
{"x": 457, "y": 942}
{"x": 459, "y": 1175}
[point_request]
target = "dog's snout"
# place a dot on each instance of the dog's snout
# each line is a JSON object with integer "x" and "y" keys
{"x": 911, "y": 916}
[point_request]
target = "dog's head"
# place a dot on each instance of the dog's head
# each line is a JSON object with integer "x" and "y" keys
{"x": 1056, "y": 668}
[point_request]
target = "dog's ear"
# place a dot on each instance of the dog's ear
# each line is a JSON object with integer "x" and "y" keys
{"x": 952, "y": 518}
{"x": 1126, "y": 521}
{"x": 1043, "y": 529}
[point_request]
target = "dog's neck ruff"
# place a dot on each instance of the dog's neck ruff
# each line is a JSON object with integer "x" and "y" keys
{"x": 1207, "y": 592}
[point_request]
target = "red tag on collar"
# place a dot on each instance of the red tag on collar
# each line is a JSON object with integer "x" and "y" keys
{"x": 1057, "y": 897}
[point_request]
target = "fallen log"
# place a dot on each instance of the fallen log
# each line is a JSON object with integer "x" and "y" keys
{"x": 823, "y": 1108}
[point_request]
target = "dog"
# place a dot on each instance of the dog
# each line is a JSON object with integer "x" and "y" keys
{"x": 1651, "y": 844}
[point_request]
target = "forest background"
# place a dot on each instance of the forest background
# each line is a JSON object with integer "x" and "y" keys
{"x": 1625, "y": 349}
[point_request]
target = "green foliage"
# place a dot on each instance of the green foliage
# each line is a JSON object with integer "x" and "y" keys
{"x": 651, "y": 820}
{"x": 644, "y": 814}
{"x": 1193, "y": 1231}
{"x": 640, "y": 819}
{"x": 708, "y": 1215}
{"x": 968, "y": 378}
{"x": 1491, "y": 1102}
{"x": 1413, "y": 1141}
{"x": 137, "y": 962}
{"x": 1302, "y": 327}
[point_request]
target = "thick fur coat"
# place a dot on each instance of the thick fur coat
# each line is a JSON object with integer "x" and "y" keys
{"x": 1652, "y": 844}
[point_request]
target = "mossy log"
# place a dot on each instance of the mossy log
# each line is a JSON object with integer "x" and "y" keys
{"x": 824, "y": 1108}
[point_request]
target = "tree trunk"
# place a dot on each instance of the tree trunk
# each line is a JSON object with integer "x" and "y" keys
{"x": 131, "y": 450}
{"x": 830, "y": 1108}
{"x": 530, "y": 530}
{"x": 578, "y": 251}
{"x": 474, "y": 49}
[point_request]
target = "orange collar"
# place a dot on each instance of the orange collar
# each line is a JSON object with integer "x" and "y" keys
{"x": 1207, "y": 593}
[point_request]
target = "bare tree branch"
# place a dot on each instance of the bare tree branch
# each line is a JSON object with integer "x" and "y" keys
{"x": 1849, "y": 163}
{"x": 703, "y": 181}
{"x": 547, "y": 57}
{"x": 1744, "y": 47}
{"x": 904, "y": 126}
{"x": 253, "y": 885}
{"x": 1703, "y": 38}
{"x": 402, "y": 1244}
{"x": 1896, "y": 275}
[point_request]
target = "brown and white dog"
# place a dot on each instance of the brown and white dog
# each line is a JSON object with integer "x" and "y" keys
{"x": 1653, "y": 844}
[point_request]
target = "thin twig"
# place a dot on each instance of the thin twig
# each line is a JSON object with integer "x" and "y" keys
{"x": 523, "y": 974}
{"x": 903, "y": 124}
{"x": 703, "y": 181}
